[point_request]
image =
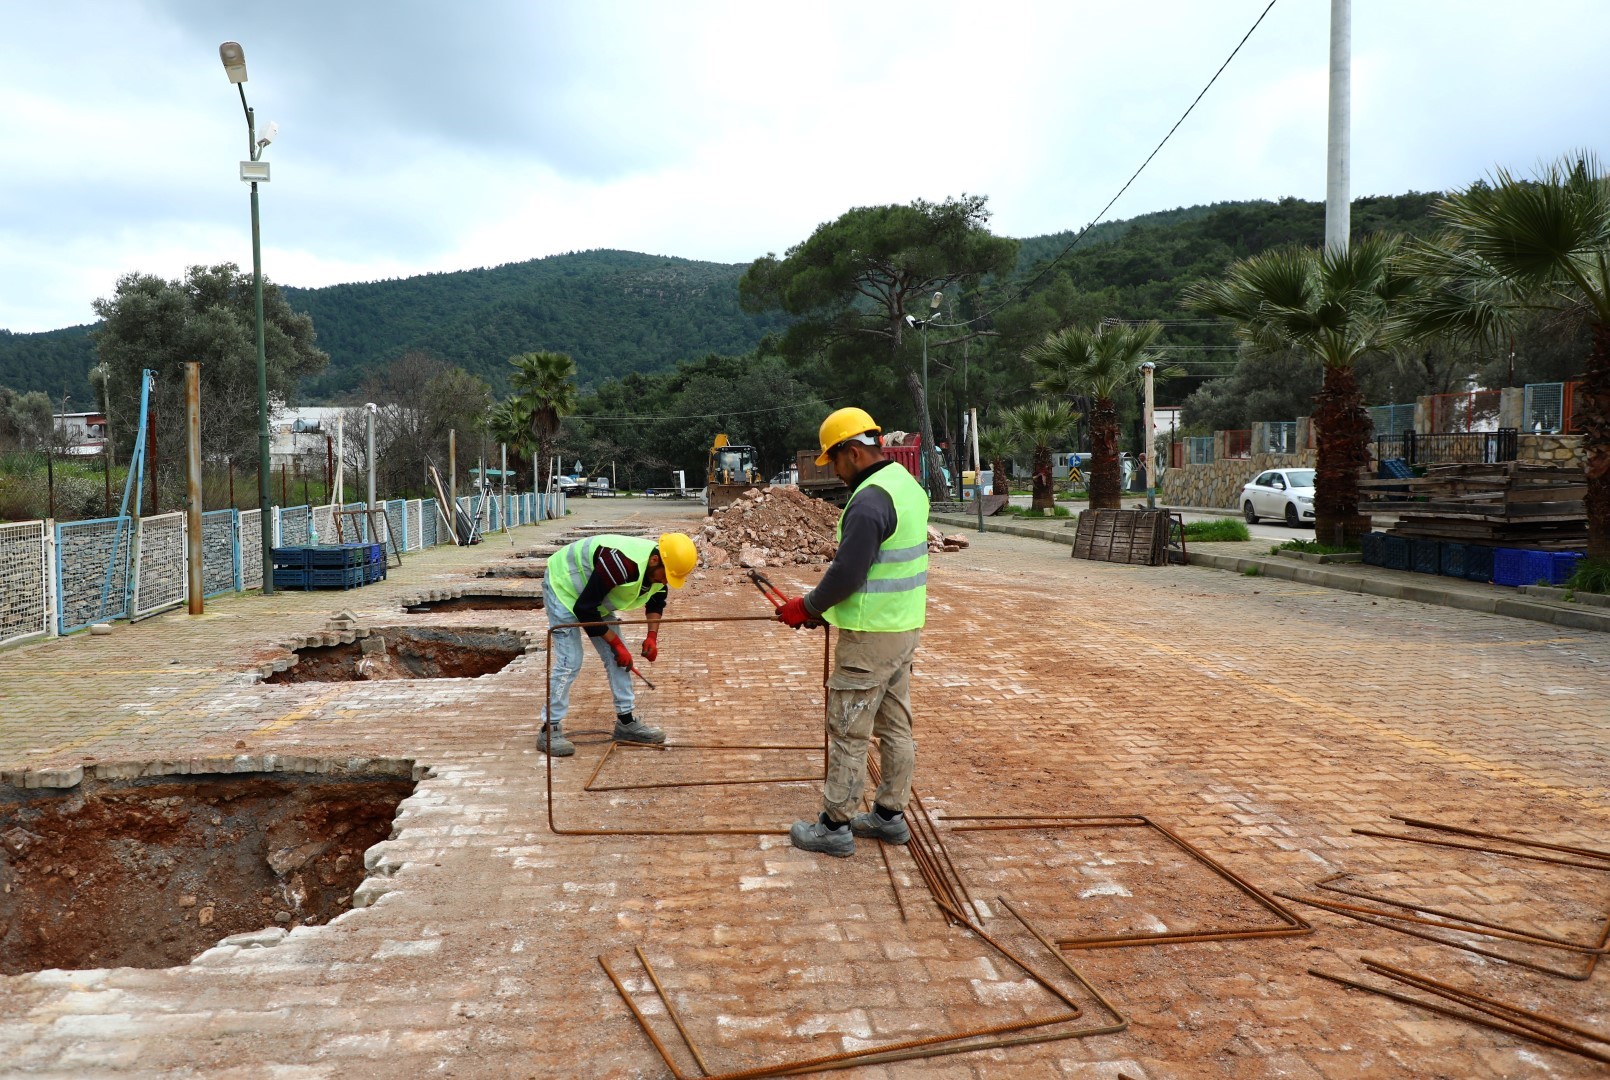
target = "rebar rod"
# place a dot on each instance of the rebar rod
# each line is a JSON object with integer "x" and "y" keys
{"x": 1475, "y": 926}
{"x": 1592, "y": 853}
{"x": 1428, "y": 983}
{"x": 1484, "y": 850}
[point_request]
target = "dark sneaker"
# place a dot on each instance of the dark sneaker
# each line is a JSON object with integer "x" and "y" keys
{"x": 814, "y": 836}
{"x": 562, "y": 747}
{"x": 872, "y": 826}
{"x": 638, "y": 732}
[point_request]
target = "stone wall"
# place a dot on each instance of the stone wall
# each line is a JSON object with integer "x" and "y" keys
{"x": 217, "y": 552}
{"x": 1219, "y": 483}
{"x": 86, "y": 548}
{"x": 1562, "y": 450}
{"x": 164, "y": 579}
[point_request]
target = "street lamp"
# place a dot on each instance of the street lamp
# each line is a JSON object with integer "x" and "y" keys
{"x": 252, "y": 171}
{"x": 927, "y": 423}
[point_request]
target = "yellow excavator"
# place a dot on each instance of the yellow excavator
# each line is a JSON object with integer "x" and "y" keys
{"x": 732, "y": 471}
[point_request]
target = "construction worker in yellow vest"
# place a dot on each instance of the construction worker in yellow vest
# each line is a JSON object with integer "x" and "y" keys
{"x": 876, "y": 594}
{"x": 589, "y": 581}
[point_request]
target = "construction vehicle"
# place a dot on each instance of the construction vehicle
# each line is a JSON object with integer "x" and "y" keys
{"x": 733, "y": 470}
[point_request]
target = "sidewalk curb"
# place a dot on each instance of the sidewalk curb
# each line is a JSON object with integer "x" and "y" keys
{"x": 1324, "y": 576}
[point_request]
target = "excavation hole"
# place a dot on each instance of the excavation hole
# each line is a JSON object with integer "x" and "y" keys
{"x": 421, "y": 652}
{"x": 150, "y": 872}
{"x": 479, "y": 602}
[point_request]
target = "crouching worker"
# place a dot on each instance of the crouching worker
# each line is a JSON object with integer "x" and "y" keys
{"x": 589, "y": 582}
{"x": 876, "y": 593}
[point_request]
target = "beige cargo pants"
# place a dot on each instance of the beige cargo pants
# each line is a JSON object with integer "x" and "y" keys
{"x": 869, "y": 693}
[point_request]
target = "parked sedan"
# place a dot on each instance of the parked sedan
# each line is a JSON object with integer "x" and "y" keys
{"x": 1280, "y": 493}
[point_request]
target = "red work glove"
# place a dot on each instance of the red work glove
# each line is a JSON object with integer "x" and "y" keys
{"x": 651, "y": 646}
{"x": 794, "y": 614}
{"x": 623, "y": 655}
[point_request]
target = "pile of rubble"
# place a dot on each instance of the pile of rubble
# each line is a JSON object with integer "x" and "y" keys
{"x": 779, "y": 526}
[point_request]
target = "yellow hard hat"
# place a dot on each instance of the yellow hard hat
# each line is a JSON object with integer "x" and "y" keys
{"x": 844, "y": 424}
{"x": 678, "y": 556}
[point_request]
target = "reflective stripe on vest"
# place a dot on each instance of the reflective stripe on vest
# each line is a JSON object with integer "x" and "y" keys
{"x": 895, "y": 596}
{"x": 571, "y": 566}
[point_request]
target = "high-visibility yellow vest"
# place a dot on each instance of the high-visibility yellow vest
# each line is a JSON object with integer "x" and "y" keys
{"x": 895, "y": 596}
{"x": 571, "y": 566}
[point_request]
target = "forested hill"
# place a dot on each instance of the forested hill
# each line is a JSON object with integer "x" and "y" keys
{"x": 618, "y": 311}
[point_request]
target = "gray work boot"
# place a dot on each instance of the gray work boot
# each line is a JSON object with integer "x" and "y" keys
{"x": 554, "y": 734}
{"x": 629, "y": 729}
{"x": 873, "y": 826}
{"x": 814, "y": 836}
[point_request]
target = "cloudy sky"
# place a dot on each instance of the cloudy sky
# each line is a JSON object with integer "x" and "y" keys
{"x": 422, "y": 135}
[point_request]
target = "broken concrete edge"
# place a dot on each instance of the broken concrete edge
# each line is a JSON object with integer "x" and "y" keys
{"x": 1567, "y": 615}
{"x": 1565, "y": 596}
{"x": 459, "y": 592}
{"x": 532, "y": 642}
{"x": 73, "y": 776}
{"x": 1316, "y": 557}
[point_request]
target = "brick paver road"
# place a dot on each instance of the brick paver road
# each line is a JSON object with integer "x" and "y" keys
{"x": 1261, "y": 720}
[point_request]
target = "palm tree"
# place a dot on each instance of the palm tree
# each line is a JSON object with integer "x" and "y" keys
{"x": 997, "y": 444}
{"x": 543, "y": 384}
{"x": 1098, "y": 364}
{"x": 1529, "y": 244}
{"x": 509, "y": 422}
{"x": 1041, "y": 426}
{"x": 1332, "y": 306}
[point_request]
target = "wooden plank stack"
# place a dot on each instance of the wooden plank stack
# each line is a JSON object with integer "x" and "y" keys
{"x": 1123, "y": 536}
{"x": 1506, "y": 504}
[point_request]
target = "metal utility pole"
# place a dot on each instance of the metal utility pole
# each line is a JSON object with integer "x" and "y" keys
{"x": 1338, "y": 210}
{"x": 192, "y": 510}
{"x": 452, "y": 469}
{"x": 1147, "y": 421}
{"x": 978, "y": 470}
{"x": 369, "y": 449}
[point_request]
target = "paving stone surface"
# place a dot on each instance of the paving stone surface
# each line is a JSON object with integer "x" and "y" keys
{"x": 1261, "y": 720}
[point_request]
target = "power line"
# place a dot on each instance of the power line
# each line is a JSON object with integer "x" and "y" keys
{"x": 1081, "y": 234}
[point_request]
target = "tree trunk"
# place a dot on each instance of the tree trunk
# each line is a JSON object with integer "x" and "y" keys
{"x": 1343, "y": 433}
{"x": 1000, "y": 484}
{"x": 1592, "y": 408}
{"x": 1105, "y": 486}
{"x": 930, "y": 452}
{"x": 1045, "y": 497}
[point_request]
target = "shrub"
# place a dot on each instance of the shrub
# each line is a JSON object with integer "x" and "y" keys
{"x": 1592, "y": 576}
{"x": 1219, "y": 529}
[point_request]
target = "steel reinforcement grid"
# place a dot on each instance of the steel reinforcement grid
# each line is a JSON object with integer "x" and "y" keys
{"x": 24, "y": 580}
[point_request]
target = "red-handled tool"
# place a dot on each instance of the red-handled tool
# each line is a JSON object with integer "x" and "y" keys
{"x": 767, "y": 589}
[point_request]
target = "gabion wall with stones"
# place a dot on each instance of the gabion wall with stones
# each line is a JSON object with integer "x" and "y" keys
{"x": 294, "y": 526}
{"x": 217, "y": 552}
{"x": 24, "y": 589}
{"x": 85, "y": 552}
{"x": 162, "y": 579}
{"x": 251, "y": 549}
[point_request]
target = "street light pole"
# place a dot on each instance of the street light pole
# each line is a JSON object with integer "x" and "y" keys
{"x": 234, "y": 60}
{"x": 929, "y": 451}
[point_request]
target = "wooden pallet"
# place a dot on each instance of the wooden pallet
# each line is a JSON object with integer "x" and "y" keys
{"x": 1137, "y": 537}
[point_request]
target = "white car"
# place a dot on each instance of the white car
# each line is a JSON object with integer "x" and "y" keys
{"x": 1280, "y": 493}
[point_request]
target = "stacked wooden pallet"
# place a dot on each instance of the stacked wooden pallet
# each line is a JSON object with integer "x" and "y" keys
{"x": 1123, "y": 536}
{"x": 1507, "y": 504}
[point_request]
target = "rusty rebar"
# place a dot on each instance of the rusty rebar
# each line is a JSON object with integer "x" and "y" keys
{"x": 932, "y": 1046}
{"x": 1506, "y": 1028}
{"x": 589, "y": 786}
{"x": 1484, "y": 850}
{"x": 1476, "y": 1000}
{"x": 1380, "y": 917}
{"x": 1592, "y": 853}
{"x": 554, "y": 826}
{"x": 1489, "y": 928}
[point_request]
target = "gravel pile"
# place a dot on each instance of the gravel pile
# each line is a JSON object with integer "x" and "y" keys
{"x": 779, "y": 526}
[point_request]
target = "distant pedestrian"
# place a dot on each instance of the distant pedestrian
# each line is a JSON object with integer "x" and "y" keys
{"x": 876, "y": 594}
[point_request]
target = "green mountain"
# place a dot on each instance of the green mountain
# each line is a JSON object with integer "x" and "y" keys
{"x": 619, "y": 312}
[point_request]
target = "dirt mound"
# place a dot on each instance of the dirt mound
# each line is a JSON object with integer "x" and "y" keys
{"x": 781, "y": 527}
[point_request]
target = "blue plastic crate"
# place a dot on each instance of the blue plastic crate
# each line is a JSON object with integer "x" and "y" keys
{"x": 1374, "y": 544}
{"x": 1478, "y": 562}
{"x": 1517, "y": 566}
{"x": 289, "y": 558}
{"x": 336, "y": 556}
{"x": 1425, "y": 556}
{"x": 1563, "y": 564}
{"x": 1396, "y": 551}
{"x": 374, "y": 572}
{"x": 290, "y": 578}
{"x": 345, "y": 577}
{"x": 1453, "y": 558}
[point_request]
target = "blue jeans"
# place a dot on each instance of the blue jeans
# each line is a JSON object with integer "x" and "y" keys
{"x": 567, "y": 654}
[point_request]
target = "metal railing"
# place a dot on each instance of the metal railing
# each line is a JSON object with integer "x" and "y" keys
{"x": 1238, "y": 444}
{"x": 1198, "y": 449}
{"x": 1466, "y": 413}
{"x": 1449, "y": 448}
{"x": 1549, "y": 408}
{"x": 1281, "y": 437}
{"x": 1390, "y": 418}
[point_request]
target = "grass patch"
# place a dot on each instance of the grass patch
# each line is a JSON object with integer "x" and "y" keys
{"x": 1216, "y": 530}
{"x": 1252, "y": 571}
{"x": 1592, "y": 576}
{"x": 1025, "y": 512}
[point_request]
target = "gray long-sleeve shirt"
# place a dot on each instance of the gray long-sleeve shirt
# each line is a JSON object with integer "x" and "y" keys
{"x": 868, "y": 521}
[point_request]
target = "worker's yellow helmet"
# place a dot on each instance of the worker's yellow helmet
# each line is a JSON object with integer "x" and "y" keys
{"x": 844, "y": 424}
{"x": 679, "y": 557}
